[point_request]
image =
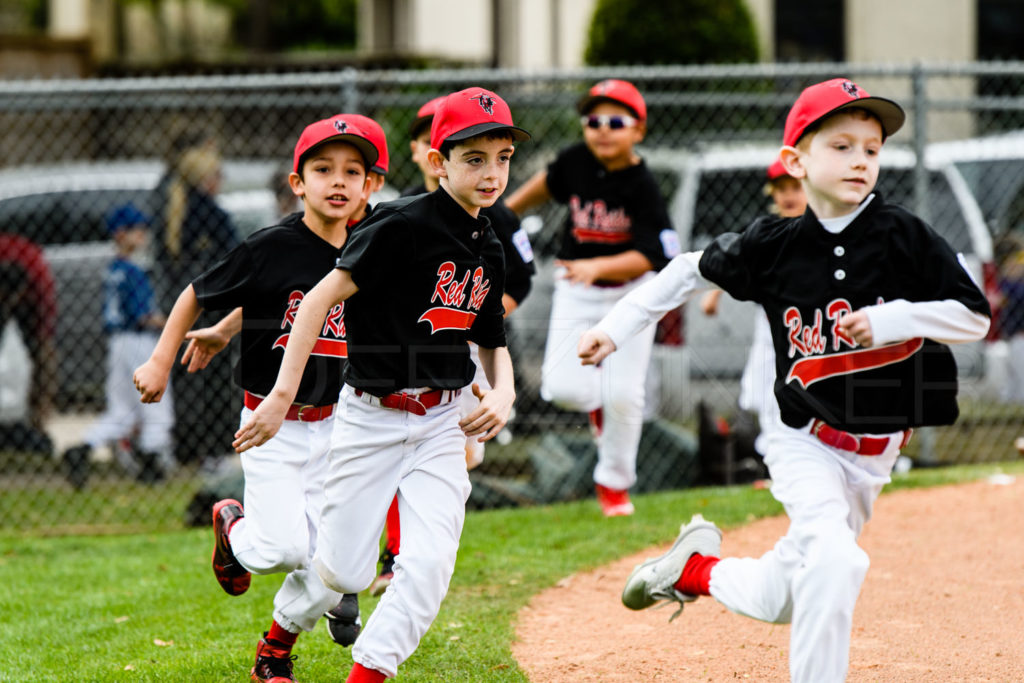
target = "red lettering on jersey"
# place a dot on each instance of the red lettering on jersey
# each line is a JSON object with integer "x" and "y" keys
{"x": 835, "y": 311}
{"x": 447, "y": 290}
{"x": 445, "y": 275}
{"x": 480, "y": 289}
{"x": 593, "y": 222}
{"x": 805, "y": 340}
{"x": 334, "y": 325}
{"x": 294, "y": 299}
{"x": 441, "y": 318}
{"x": 807, "y": 371}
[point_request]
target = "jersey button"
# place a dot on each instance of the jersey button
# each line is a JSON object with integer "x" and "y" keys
{"x": 475, "y": 234}
{"x": 839, "y": 251}
{"x": 840, "y": 274}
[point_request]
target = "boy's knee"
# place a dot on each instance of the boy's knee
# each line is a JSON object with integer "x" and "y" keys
{"x": 569, "y": 396}
{"x": 274, "y": 560}
{"x": 342, "y": 581}
{"x": 838, "y": 560}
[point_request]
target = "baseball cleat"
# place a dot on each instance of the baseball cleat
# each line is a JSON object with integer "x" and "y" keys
{"x": 614, "y": 502}
{"x": 387, "y": 572}
{"x": 654, "y": 580}
{"x": 343, "y": 622}
{"x": 273, "y": 662}
{"x": 232, "y": 576}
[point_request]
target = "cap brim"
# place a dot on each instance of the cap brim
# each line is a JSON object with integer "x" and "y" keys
{"x": 888, "y": 112}
{"x": 365, "y": 147}
{"x": 518, "y": 134}
{"x": 588, "y": 102}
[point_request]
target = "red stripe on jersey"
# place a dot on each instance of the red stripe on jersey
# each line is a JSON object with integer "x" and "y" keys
{"x": 441, "y": 318}
{"x": 807, "y": 371}
{"x": 334, "y": 348}
{"x": 584, "y": 235}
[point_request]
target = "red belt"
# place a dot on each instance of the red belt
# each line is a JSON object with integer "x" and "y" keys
{"x": 416, "y": 404}
{"x": 861, "y": 445}
{"x": 302, "y": 413}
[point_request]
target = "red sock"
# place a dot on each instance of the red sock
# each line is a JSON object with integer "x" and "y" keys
{"x": 696, "y": 575}
{"x": 279, "y": 634}
{"x": 360, "y": 674}
{"x": 394, "y": 530}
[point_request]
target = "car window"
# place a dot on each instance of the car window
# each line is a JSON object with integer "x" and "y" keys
{"x": 65, "y": 217}
{"x": 945, "y": 215}
{"x": 998, "y": 186}
{"x": 727, "y": 201}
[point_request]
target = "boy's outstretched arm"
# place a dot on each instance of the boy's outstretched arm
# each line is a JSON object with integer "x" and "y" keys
{"x": 495, "y": 405}
{"x": 334, "y": 288}
{"x": 151, "y": 377}
{"x": 646, "y": 304}
{"x": 207, "y": 342}
{"x": 533, "y": 192}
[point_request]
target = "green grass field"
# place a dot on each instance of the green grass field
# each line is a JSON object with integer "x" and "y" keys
{"x": 146, "y": 607}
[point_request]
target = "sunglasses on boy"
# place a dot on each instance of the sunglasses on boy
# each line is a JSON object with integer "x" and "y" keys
{"x": 614, "y": 122}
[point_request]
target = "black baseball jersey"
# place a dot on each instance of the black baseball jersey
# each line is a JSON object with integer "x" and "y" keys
{"x": 268, "y": 275}
{"x": 807, "y": 278}
{"x": 515, "y": 243}
{"x": 610, "y": 211}
{"x": 426, "y": 272}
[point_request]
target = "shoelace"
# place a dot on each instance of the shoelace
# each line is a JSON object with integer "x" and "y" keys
{"x": 276, "y": 666}
{"x": 669, "y": 596}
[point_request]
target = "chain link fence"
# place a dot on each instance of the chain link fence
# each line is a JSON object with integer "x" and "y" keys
{"x": 73, "y": 151}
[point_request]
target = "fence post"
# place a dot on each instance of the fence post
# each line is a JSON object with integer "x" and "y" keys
{"x": 920, "y": 107}
{"x": 349, "y": 91}
{"x": 919, "y": 101}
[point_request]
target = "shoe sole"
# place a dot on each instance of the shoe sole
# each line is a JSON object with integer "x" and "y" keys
{"x": 232, "y": 582}
{"x": 634, "y": 595}
{"x": 380, "y": 584}
{"x": 623, "y": 510}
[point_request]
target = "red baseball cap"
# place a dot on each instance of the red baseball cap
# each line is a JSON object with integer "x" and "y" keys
{"x": 424, "y": 117}
{"x": 375, "y": 133}
{"x": 471, "y": 112}
{"x": 619, "y": 92}
{"x": 777, "y": 170}
{"x": 820, "y": 100}
{"x": 334, "y": 129}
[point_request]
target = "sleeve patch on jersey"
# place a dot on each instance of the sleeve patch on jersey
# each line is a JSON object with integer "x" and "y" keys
{"x": 670, "y": 243}
{"x": 522, "y": 242}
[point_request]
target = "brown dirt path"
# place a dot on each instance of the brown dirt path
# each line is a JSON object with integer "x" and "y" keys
{"x": 943, "y": 601}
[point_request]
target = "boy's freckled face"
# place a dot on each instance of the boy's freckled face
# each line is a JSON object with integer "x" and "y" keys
{"x": 612, "y": 147}
{"x": 477, "y": 171}
{"x": 841, "y": 163}
{"x": 333, "y": 181}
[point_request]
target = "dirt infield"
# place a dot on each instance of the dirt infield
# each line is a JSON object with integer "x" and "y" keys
{"x": 943, "y": 601}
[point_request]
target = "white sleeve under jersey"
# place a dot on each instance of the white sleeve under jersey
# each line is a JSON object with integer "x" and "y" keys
{"x": 674, "y": 285}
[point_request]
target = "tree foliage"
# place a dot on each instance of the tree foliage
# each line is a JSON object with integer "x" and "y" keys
{"x": 671, "y": 32}
{"x": 310, "y": 24}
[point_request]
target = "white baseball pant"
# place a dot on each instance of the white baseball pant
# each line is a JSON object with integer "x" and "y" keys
{"x": 813, "y": 575}
{"x": 284, "y": 495}
{"x": 616, "y": 386}
{"x": 757, "y": 384}
{"x": 124, "y": 411}
{"x": 375, "y": 452}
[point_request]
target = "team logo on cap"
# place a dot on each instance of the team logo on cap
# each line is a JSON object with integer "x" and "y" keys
{"x": 851, "y": 89}
{"x": 341, "y": 126}
{"x": 485, "y": 101}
